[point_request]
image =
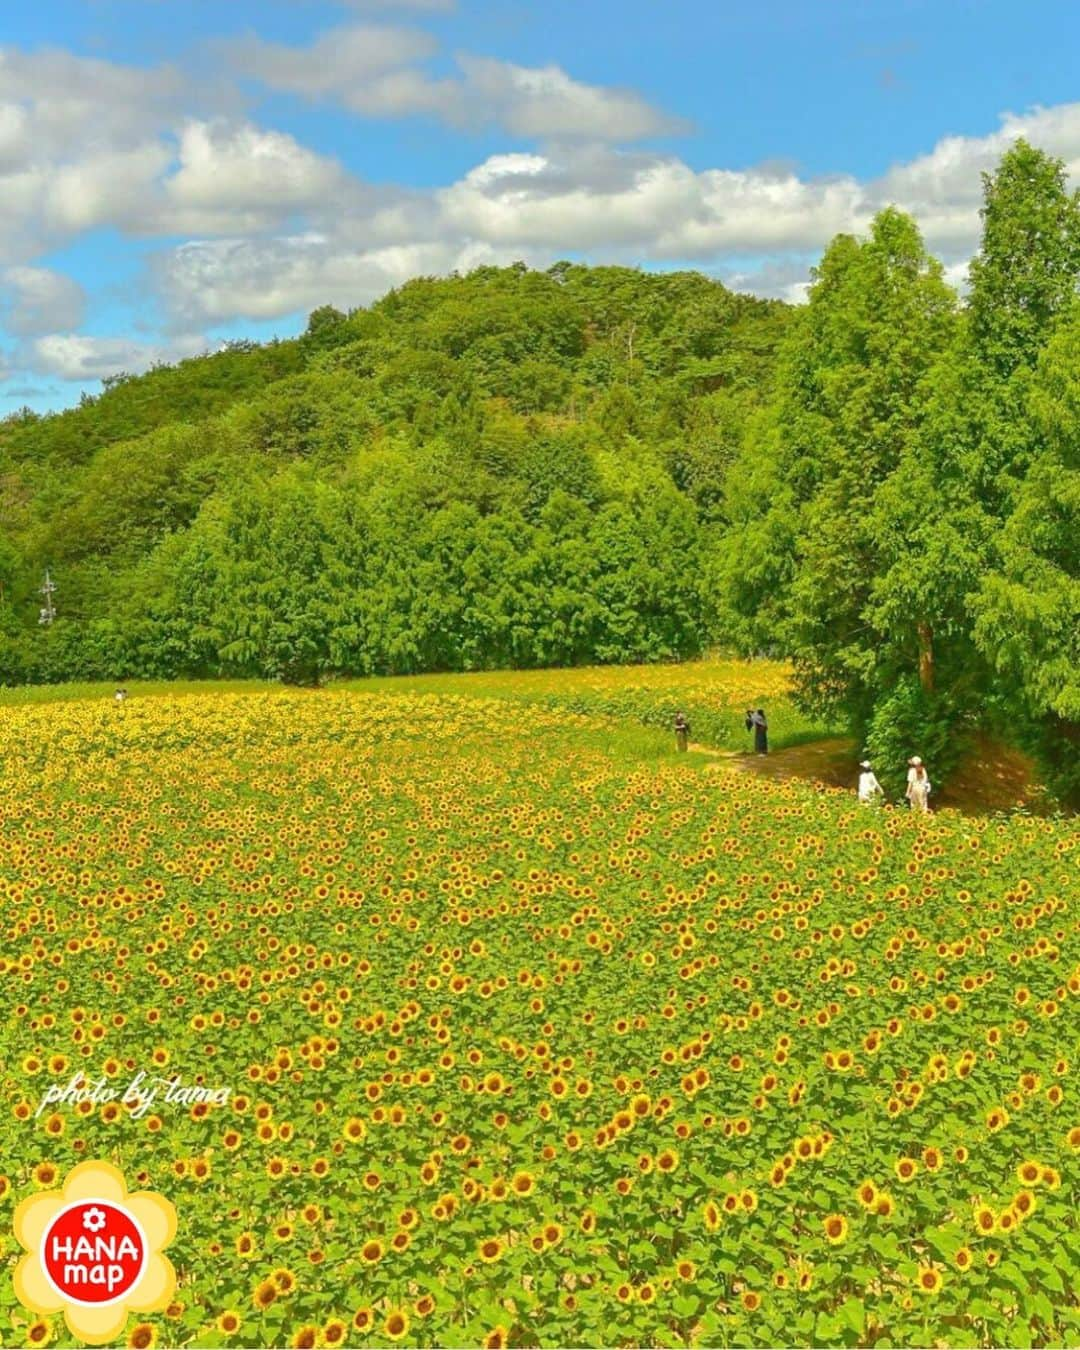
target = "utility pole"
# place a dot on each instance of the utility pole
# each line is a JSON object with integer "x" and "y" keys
{"x": 48, "y": 610}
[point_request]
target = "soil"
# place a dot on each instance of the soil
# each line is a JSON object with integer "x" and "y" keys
{"x": 992, "y": 778}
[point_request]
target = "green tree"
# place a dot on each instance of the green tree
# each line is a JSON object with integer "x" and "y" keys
{"x": 1027, "y": 608}
{"x": 1024, "y": 276}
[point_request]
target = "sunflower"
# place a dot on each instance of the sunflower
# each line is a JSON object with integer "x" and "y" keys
{"x": 305, "y": 1338}
{"x": 229, "y": 1322}
{"x": 867, "y": 1195}
{"x": 396, "y": 1324}
{"x": 265, "y": 1294}
{"x": 928, "y": 1280}
{"x": 836, "y": 1228}
{"x": 496, "y": 1338}
{"x": 490, "y": 1249}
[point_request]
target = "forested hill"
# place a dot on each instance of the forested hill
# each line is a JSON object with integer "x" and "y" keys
{"x": 520, "y": 468}
{"x": 511, "y": 467}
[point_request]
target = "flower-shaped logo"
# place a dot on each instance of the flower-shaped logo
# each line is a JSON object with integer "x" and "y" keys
{"x": 94, "y": 1251}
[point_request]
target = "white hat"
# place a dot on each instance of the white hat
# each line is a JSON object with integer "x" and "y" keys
{"x": 915, "y": 760}
{"x": 865, "y": 764}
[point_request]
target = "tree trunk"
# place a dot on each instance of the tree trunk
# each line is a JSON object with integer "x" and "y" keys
{"x": 926, "y": 657}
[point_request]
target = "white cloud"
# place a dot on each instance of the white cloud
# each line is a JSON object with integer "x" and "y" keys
{"x": 597, "y": 197}
{"x": 38, "y": 300}
{"x": 337, "y": 65}
{"x": 211, "y": 281}
{"x": 544, "y": 102}
{"x": 110, "y": 187}
{"x": 238, "y": 177}
{"x": 75, "y": 357}
{"x": 374, "y": 71}
{"x": 84, "y": 142}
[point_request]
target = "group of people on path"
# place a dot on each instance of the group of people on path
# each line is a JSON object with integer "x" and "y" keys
{"x": 917, "y": 791}
{"x": 870, "y": 790}
{"x": 755, "y": 722}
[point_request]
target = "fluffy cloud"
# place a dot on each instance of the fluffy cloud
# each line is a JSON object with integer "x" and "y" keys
{"x": 84, "y": 142}
{"x": 654, "y": 205}
{"x": 36, "y": 300}
{"x": 211, "y": 281}
{"x": 339, "y": 64}
{"x": 75, "y": 357}
{"x": 52, "y": 103}
{"x": 238, "y": 177}
{"x": 545, "y": 103}
{"x": 375, "y": 71}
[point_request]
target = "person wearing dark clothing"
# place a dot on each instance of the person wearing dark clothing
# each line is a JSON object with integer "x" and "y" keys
{"x": 682, "y": 730}
{"x": 755, "y": 721}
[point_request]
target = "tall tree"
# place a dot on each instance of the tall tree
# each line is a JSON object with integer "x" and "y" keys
{"x": 1027, "y": 607}
{"x": 1024, "y": 275}
{"x": 852, "y": 389}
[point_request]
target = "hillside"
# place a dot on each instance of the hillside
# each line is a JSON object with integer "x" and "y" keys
{"x": 577, "y": 410}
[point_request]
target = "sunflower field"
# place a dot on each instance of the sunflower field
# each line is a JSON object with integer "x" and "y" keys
{"x": 533, "y": 1031}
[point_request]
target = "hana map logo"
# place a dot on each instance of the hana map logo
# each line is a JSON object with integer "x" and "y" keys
{"x": 94, "y": 1252}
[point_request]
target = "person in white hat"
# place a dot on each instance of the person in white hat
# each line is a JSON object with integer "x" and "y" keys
{"x": 918, "y": 785}
{"x": 869, "y": 787}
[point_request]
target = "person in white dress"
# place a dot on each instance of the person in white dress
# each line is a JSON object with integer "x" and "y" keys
{"x": 869, "y": 788}
{"x": 918, "y": 785}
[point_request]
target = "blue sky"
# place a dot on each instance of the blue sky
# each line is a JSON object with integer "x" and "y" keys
{"x": 174, "y": 172}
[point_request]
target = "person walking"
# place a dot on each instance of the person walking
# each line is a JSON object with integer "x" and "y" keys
{"x": 870, "y": 789}
{"x": 756, "y": 722}
{"x": 682, "y": 730}
{"x": 918, "y": 785}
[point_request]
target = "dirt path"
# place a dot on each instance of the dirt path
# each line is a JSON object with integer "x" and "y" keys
{"x": 992, "y": 777}
{"x": 828, "y": 761}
